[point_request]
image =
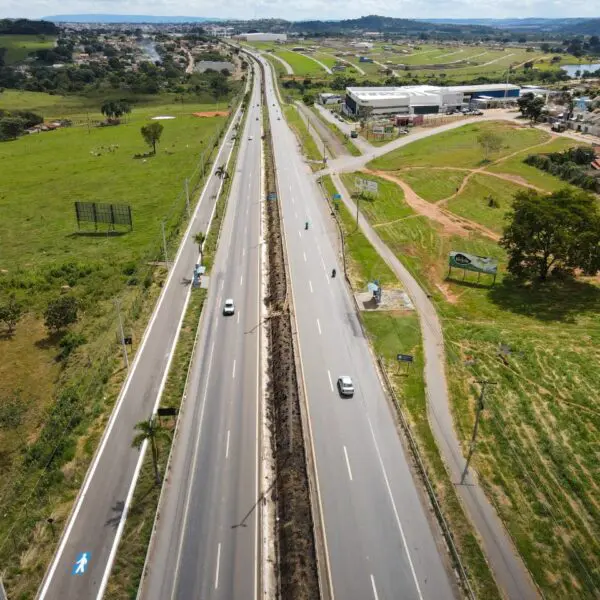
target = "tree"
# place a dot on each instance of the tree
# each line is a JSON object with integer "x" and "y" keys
{"x": 151, "y": 134}
{"x": 490, "y": 142}
{"x": 200, "y": 238}
{"x": 308, "y": 99}
{"x": 114, "y": 109}
{"x": 11, "y": 312}
{"x": 11, "y": 128}
{"x": 60, "y": 312}
{"x": 556, "y": 231}
{"x": 531, "y": 106}
{"x": 151, "y": 431}
{"x": 221, "y": 172}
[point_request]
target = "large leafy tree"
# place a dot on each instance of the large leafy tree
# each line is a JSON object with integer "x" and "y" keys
{"x": 531, "y": 106}
{"x": 151, "y": 134}
{"x": 556, "y": 231}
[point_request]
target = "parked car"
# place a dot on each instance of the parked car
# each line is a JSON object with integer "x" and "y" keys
{"x": 228, "y": 307}
{"x": 345, "y": 386}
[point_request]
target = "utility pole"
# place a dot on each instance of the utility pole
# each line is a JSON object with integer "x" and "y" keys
{"x": 480, "y": 407}
{"x": 121, "y": 334}
{"x": 187, "y": 195}
{"x": 357, "y": 200}
{"x": 162, "y": 226}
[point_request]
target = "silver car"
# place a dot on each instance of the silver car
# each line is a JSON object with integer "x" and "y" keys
{"x": 228, "y": 307}
{"x": 345, "y": 386}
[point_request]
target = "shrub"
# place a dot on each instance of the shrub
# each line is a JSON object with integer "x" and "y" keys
{"x": 70, "y": 342}
{"x": 60, "y": 312}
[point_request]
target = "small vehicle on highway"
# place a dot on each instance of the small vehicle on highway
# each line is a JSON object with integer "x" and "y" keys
{"x": 250, "y": 137}
{"x": 345, "y": 386}
{"x": 228, "y": 307}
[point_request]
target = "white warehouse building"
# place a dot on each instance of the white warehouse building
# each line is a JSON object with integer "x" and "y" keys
{"x": 417, "y": 99}
{"x": 263, "y": 37}
{"x": 423, "y": 99}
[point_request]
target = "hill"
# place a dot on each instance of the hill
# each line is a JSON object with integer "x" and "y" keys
{"x": 110, "y": 18}
{"x": 589, "y": 27}
{"x": 385, "y": 25}
{"x": 27, "y": 27}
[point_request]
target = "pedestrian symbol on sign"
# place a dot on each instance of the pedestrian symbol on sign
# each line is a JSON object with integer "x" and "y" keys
{"x": 81, "y": 563}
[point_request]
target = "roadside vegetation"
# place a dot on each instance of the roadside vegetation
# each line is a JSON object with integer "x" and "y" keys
{"x": 535, "y": 339}
{"x": 342, "y": 137}
{"x": 305, "y": 139}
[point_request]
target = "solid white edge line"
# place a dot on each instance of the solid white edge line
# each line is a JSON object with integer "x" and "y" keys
{"x": 389, "y": 489}
{"x": 227, "y": 444}
{"x": 218, "y": 565}
{"x": 113, "y": 417}
{"x": 330, "y": 382}
{"x": 319, "y": 326}
{"x": 374, "y": 588}
{"x": 348, "y": 463}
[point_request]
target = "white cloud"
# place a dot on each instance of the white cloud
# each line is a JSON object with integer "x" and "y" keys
{"x": 305, "y": 9}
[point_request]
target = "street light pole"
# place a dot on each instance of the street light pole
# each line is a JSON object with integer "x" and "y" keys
{"x": 162, "y": 226}
{"x": 121, "y": 334}
{"x": 480, "y": 407}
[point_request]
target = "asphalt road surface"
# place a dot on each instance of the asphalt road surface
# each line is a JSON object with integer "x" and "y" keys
{"x": 206, "y": 542}
{"x": 379, "y": 539}
{"x": 98, "y": 516}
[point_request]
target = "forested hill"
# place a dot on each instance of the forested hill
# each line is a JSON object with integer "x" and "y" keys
{"x": 27, "y": 27}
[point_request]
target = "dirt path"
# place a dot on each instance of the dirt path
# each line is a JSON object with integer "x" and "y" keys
{"x": 452, "y": 224}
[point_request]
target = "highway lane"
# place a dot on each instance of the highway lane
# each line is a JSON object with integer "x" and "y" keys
{"x": 206, "y": 542}
{"x": 379, "y": 539}
{"x": 98, "y": 516}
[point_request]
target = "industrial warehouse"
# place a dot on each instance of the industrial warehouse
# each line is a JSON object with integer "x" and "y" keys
{"x": 424, "y": 99}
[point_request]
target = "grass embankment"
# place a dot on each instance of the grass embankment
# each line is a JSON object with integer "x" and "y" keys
{"x": 129, "y": 562}
{"x": 48, "y": 439}
{"x": 307, "y": 142}
{"x": 19, "y": 47}
{"x": 459, "y": 148}
{"x": 340, "y": 135}
{"x": 541, "y": 423}
{"x": 433, "y": 184}
{"x": 391, "y": 332}
{"x": 302, "y": 65}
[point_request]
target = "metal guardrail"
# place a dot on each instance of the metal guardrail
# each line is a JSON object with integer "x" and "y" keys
{"x": 446, "y": 532}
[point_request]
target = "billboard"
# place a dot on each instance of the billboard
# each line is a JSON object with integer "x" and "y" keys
{"x": 472, "y": 262}
{"x": 112, "y": 214}
{"x": 367, "y": 185}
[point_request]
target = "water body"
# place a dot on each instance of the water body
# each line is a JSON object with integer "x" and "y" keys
{"x": 572, "y": 69}
{"x": 148, "y": 47}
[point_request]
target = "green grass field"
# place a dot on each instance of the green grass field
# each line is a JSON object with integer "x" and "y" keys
{"x": 43, "y": 255}
{"x": 18, "y": 47}
{"x": 542, "y": 419}
{"x": 459, "y": 147}
{"x": 302, "y": 65}
{"x": 473, "y": 202}
{"x": 433, "y": 184}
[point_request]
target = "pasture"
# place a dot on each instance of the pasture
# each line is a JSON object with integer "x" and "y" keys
{"x": 19, "y": 47}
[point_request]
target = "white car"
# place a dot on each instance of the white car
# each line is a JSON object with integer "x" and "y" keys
{"x": 250, "y": 137}
{"x": 228, "y": 307}
{"x": 345, "y": 386}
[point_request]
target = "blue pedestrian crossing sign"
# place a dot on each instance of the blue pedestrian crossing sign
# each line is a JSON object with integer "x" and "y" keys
{"x": 81, "y": 564}
{"x": 337, "y": 196}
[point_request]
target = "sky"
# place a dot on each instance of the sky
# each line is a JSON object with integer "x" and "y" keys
{"x": 306, "y": 9}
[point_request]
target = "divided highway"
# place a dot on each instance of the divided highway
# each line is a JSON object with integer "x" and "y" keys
{"x": 379, "y": 539}
{"x": 98, "y": 516}
{"x": 207, "y": 540}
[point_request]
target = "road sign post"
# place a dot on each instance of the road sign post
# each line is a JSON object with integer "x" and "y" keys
{"x": 407, "y": 359}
